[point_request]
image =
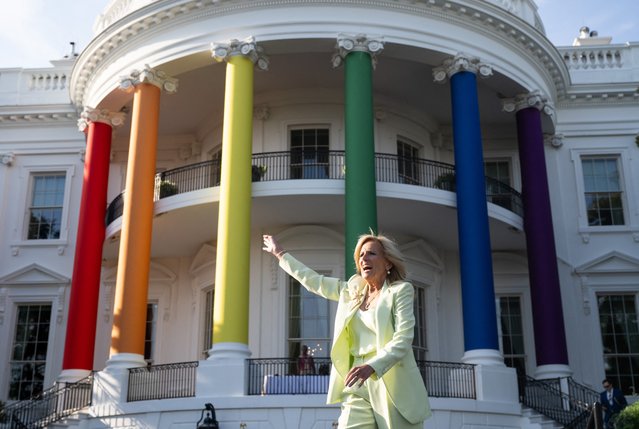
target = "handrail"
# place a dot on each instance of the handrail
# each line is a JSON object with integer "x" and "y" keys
{"x": 172, "y": 380}
{"x": 570, "y": 408}
{"x": 52, "y": 405}
{"x": 281, "y": 376}
{"x": 327, "y": 165}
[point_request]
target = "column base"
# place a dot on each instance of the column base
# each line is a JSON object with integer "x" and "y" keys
{"x": 229, "y": 351}
{"x": 225, "y": 372}
{"x": 496, "y": 383}
{"x": 487, "y": 357}
{"x": 73, "y": 375}
{"x": 125, "y": 361}
{"x": 552, "y": 371}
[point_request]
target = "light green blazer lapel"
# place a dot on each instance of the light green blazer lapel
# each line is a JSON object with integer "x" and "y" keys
{"x": 383, "y": 315}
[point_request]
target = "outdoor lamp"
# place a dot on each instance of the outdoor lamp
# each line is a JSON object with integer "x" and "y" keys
{"x": 208, "y": 421}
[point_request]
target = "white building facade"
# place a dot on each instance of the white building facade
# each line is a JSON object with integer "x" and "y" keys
{"x": 505, "y": 167}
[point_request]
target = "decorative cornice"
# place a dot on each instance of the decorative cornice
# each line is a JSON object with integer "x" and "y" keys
{"x": 37, "y": 117}
{"x": 8, "y": 158}
{"x": 600, "y": 97}
{"x": 459, "y": 63}
{"x": 247, "y": 47}
{"x": 357, "y": 43}
{"x": 89, "y": 114}
{"x": 491, "y": 19}
{"x": 151, "y": 76}
{"x": 523, "y": 101}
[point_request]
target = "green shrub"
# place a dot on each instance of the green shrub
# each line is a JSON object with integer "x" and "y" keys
{"x": 167, "y": 188}
{"x": 628, "y": 418}
{"x": 446, "y": 182}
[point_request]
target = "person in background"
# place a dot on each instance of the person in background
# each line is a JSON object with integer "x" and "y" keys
{"x": 305, "y": 363}
{"x": 374, "y": 374}
{"x": 612, "y": 402}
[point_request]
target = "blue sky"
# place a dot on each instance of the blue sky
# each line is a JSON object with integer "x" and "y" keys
{"x": 32, "y": 32}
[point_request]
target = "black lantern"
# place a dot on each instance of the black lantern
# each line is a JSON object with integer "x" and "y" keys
{"x": 208, "y": 421}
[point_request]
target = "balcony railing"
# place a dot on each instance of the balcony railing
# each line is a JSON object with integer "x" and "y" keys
{"x": 280, "y": 376}
{"x": 173, "y": 380}
{"x": 328, "y": 165}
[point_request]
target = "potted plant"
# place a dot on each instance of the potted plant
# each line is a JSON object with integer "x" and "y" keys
{"x": 167, "y": 188}
{"x": 446, "y": 182}
{"x": 257, "y": 172}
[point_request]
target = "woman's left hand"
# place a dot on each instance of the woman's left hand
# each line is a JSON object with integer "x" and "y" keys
{"x": 358, "y": 374}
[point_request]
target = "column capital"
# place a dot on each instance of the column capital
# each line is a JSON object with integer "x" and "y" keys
{"x": 149, "y": 75}
{"x": 459, "y": 63}
{"x": 247, "y": 47}
{"x": 7, "y": 158}
{"x": 523, "y": 101}
{"x": 89, "y": 114}
{"x": 357, "y": 43}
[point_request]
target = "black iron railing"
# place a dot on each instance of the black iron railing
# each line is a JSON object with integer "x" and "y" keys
{"x": 279, "y": 376}
{"x": 561, "y": 399}
{"x": 448, "y": 379}
{"x": 297, "y": 165}
{"x": 52, "y": 405}
{"x": 173, "y": 380}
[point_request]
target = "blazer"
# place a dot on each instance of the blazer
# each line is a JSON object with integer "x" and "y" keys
{"x": 394, "y": 362}
{"x": 618, "y": 402}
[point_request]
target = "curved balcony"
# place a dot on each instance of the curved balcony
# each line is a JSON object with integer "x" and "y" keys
{"x": 326, "y": 165}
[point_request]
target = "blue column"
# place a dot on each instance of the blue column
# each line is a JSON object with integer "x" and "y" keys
{"x": 478, "y": 294}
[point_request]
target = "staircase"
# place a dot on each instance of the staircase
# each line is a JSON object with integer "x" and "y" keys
{"x": 51, "y": 406}
{"x": 535, "y": 420}
{"x": 563, "y": 400}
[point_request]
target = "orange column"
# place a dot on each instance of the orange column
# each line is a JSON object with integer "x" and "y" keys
{"x": 129, "y": 310}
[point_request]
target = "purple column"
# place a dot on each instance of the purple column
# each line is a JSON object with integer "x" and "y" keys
{"x": 548, "y": 320}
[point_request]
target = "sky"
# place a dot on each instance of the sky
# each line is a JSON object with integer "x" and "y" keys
{"x": 32, "y": 32}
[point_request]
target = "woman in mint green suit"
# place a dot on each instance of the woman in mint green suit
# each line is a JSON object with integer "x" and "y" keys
{"x": 374, "y": 373}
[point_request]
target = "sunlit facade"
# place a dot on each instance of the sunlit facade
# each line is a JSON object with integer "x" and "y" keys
{"x": 137, "y": 179}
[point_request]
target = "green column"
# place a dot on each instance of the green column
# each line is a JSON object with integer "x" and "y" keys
{"x": 361, "y": 197}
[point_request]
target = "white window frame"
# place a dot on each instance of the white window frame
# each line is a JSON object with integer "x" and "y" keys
{"x": 154, "y": 335}
{"x": 626, "y": 186}
{"x": 21, "y": 294}
{"x": 27, "y": 174}
{"x": 524, "y": 328}
{"x": 513, "y": 163}
{"x": 329, "y": 321}
{"x": 206, "y": 325}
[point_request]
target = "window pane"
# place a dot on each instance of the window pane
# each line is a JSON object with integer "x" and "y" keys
{"x": 603, "y": 196}
{"x": 150, "y": 332}
{"x": 308, "y": 322}
{"x": 45, "y": 213}
{"x": 309, "y": 153}
{"x": 30, "y": 343}
{"x": 512, "y": 337}
{"x": 618, "y": 326}
{"x": 207, "y": 340}
{"x": 420, "y": 345}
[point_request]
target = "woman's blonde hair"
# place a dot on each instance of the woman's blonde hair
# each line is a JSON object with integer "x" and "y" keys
{"x": 391, "y": 252}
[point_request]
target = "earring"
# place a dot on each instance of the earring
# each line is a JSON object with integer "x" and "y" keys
{"x": 388, "y": 272}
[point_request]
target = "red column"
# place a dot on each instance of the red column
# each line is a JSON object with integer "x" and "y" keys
{"x": 85, "y": 284}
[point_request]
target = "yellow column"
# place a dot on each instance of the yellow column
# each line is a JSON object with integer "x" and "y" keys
{"x": 129, "y": 310}
{"x": 231, "y": 305}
